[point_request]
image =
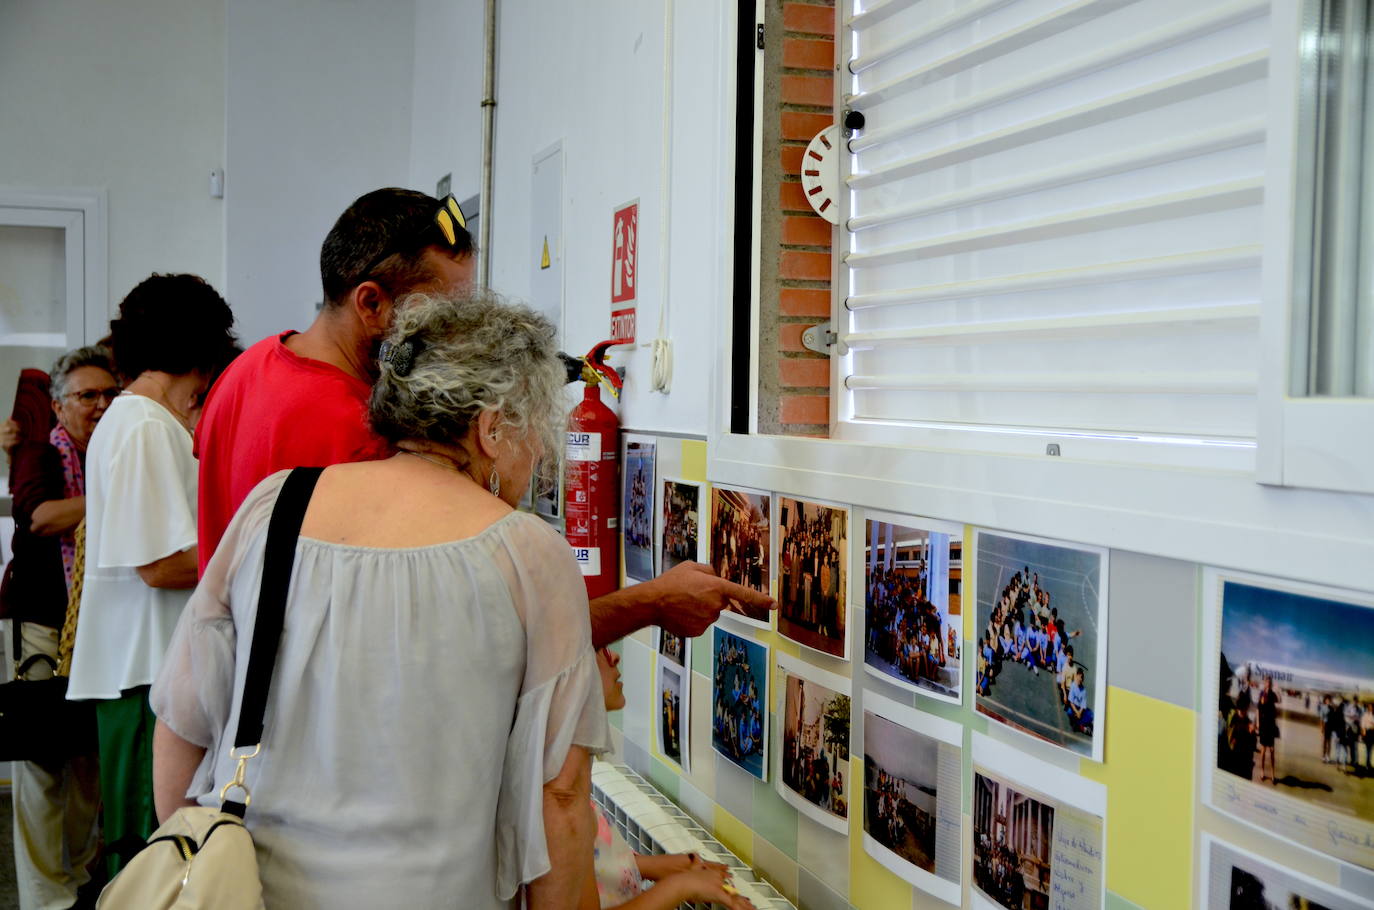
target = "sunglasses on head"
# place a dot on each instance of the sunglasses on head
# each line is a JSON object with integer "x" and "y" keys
{"x": 449, "y": 219}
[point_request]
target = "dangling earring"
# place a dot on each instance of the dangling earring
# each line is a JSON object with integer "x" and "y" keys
{"x": 494, "y": 483}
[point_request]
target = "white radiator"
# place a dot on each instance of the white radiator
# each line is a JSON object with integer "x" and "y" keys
{"x": 651, "y": 824}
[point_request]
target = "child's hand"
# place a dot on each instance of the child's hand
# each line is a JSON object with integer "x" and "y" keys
{"x": 706, "y": 885}
{"x": 697, "y": 864}
{"x": 664, "y": 865}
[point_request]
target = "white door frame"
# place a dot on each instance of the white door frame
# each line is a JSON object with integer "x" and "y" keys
{"x": 80, "y": 213}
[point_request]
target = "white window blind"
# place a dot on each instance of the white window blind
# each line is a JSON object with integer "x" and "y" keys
{"x": 1055, "y": 222}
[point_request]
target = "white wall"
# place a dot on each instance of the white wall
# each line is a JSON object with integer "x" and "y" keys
{"x": 446, "y": 122}
{"x": 596, "y": 84}
{"x": 319, "y": 112}
{"x": 327, "y": 99}
{"x": 126, "y": 96}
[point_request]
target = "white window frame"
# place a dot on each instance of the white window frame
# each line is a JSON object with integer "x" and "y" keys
{"x": 80, "y": 214}
{"x": 1323, "y": 443}
{"x": 1216, "y": 514}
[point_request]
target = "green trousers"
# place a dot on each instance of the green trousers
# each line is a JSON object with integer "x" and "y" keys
{"x": 125, "y": 728}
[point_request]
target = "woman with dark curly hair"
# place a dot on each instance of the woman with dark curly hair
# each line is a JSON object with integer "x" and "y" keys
{"x": 171, "y": 338}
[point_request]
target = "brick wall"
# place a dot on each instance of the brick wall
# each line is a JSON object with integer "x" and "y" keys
{"x": 795, "y": 265}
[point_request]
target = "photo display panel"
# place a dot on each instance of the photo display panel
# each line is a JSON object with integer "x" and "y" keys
{"x": 1039, "y": 833}
{"x": 1041, "y": 638}
{"x": 913, "y": 610}
{"x": 1290, "y": 747}
{"x": 912, "y": 801}
{"x": 637, "y": 508}
{"x": 813, "y": 559}
{"x": 1234, "y": 879}
{"x": 813, "y": 754}
{"x": 739, "y": 700}
{"x": 742, "y": 546}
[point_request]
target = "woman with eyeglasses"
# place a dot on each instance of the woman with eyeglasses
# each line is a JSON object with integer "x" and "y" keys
{"x": 172, "y": 337}
{"x": 55, "y": 803}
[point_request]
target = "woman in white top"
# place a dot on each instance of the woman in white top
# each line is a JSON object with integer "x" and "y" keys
{"x": 436, "y": 699}
{"x": 171, "y": 337}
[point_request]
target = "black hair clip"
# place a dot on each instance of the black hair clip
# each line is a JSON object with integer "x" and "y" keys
{"x": 400, "y": 356}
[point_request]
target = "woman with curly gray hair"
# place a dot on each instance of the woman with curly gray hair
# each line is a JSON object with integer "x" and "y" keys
{"x": 436, "y": 699}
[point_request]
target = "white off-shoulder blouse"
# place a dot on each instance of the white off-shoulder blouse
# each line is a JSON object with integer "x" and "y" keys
{"x": 422, "y": 698}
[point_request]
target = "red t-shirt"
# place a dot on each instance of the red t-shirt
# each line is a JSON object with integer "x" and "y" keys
{"x": 271, "y": 410}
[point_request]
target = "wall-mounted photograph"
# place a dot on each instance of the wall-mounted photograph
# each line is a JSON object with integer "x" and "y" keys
{"x": 813, "y": 757}
{"x": 672, "y": 714}
{"x": 913, "y": 612}
{"x": 1041, "y": 638}
{"x": 741, "y": 546}
{"x": 1236, "y": 879}
{"x": 673, "y": 696}
{"x": 913, "y": 813}
{"x": 739, "y": 701}
{"x": 813, "y": 556}
{"x": 674, "y": 647}
{"x": 1039, "y": 833}
{"x": 681, "y": 524}
{"x": 1292, "y": 737}
{"x": 637, "y": 508}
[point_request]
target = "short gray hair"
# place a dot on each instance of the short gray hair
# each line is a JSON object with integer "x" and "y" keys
{"x": 94, "y": 355}
{"x": 471, "y": 352}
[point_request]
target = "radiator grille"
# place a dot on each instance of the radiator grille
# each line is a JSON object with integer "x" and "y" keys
{"x": 652, "y": 824}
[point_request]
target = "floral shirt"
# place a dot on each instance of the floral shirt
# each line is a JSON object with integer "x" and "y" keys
{"x": 617, "y": 874}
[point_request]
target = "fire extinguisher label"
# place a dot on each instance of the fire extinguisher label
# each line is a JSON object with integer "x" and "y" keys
{"x": 588, "y": 559}
{"x": 584, "y": 446}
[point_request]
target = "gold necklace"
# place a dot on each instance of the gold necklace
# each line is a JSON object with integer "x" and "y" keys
{"x": 449, "y": 466}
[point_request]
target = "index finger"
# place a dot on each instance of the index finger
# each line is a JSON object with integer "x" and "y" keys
{"x": 747, "y": 596}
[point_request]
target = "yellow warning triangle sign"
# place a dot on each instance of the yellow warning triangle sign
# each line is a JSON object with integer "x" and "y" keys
{"x": 544, "y": 259}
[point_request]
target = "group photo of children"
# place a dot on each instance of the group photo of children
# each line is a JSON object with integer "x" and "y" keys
{"x": 911, "y": 601}
{"x": 681, "y": 527}
{"x": 1038, "y": 616}
{"x": 812, "y": 546}
{"x": 637, "y": 514}
{"x": 815, "y": 747}
{"x": 740, "y": 541}
{"x": 739, "y": 698}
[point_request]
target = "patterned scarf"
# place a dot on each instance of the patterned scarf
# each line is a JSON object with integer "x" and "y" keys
{"x": 73, "y": 484}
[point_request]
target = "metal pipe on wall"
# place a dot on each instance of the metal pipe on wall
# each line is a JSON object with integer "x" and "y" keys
{"x": 488, "y": 140}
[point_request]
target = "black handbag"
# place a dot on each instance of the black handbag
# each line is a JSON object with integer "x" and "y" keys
{"x": 37, "y": 722}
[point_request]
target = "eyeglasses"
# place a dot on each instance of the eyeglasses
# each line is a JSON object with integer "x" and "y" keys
{"x": 449, "y": 219}
{"x": 90, "y": 396}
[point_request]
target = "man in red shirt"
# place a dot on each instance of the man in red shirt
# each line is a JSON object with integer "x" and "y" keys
{"x": 300, "y": 399}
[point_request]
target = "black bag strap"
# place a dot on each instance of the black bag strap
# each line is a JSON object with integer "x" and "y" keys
{"x": 282, "y": 533}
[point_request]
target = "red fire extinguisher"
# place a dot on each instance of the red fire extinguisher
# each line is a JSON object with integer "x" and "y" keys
{"x": 592, "y": 477}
